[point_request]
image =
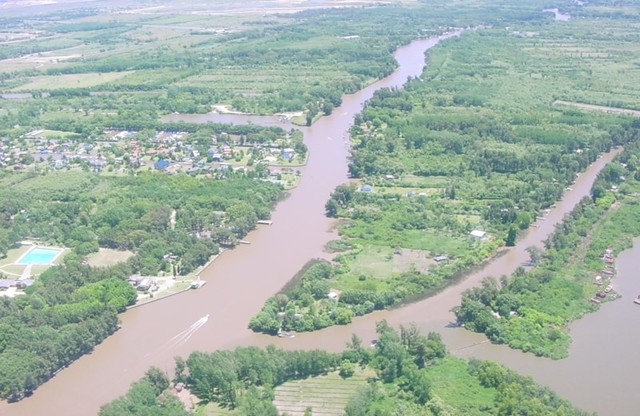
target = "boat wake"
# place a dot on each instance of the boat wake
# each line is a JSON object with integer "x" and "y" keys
{"x": 184, "y": 336}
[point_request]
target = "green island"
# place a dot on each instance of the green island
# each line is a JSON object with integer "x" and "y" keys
{"x": 532, "y": 309}
{"x": 407, "y": 374}
{"x": 463, "y": 159}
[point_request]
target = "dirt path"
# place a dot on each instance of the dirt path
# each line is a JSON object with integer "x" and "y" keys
{"x": 594, "y": 107}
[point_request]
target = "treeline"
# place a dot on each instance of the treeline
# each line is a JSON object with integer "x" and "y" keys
{"x": 531, "y": 310}
{"x": 413, "y": 374}
{"x": 70, "y": 309}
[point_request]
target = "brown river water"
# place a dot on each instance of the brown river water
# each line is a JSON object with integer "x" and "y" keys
{"x": 598, "y": 376}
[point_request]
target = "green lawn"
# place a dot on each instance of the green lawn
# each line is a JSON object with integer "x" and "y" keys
{"x": 373, "y": 261}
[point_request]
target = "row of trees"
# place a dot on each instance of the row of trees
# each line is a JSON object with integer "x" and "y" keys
{"x": 344, "y": 48}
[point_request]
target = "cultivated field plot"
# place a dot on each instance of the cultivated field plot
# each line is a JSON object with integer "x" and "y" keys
{"x": 325, "y": 395}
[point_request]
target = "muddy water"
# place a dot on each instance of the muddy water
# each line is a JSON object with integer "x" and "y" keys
{"x": 601, "y": 372}
{"x": 238, "y": 283}
{"x": 240, "y": 280}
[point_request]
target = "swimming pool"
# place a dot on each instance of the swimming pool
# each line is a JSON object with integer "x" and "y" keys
{"x": 39, "y": 255}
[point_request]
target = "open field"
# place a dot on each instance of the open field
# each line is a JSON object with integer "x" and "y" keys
{"x": 452, "y": 383}
{"x": 108, "y": 257}
{"x": 53, "y": 82}
{"x": 381, "y": 262}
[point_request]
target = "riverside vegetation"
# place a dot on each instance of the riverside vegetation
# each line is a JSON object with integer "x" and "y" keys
{"x": 531, "y": 310}
{"x": 412, "y": 374}
{"x": 73, "y": 306}
{"x": 476, "y": 143}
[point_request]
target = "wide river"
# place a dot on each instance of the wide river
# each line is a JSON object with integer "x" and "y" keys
{"x": 598, "y": 375}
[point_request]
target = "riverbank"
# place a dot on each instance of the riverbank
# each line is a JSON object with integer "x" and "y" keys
{"x": 252, "y": 273}
{"x": 176, "y": 285}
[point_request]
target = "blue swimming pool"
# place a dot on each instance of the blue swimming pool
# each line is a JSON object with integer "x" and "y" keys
{"x": 39, "y": 255}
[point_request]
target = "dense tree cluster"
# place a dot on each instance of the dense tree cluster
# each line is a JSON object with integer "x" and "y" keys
{"x": 85, "y": 211}
{"x": 149, "y": 396}
{"x": 304, "y": 304}
{"x": 69, "y": 310}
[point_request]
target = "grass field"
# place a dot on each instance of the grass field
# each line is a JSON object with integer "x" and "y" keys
{"x": 108, "y": 257}
{"x": 325, "y": 395}
{"x": 451, "y": 382}
{"x": 212, "y": 409}
{"x": 373, "y": 261}
{"x": 54, "y": 82}
{"x": 380, "y": 262}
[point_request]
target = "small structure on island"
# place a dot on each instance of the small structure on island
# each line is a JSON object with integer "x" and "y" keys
{"x": 366, "y": 188}
{"x": 478, "y": 234}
